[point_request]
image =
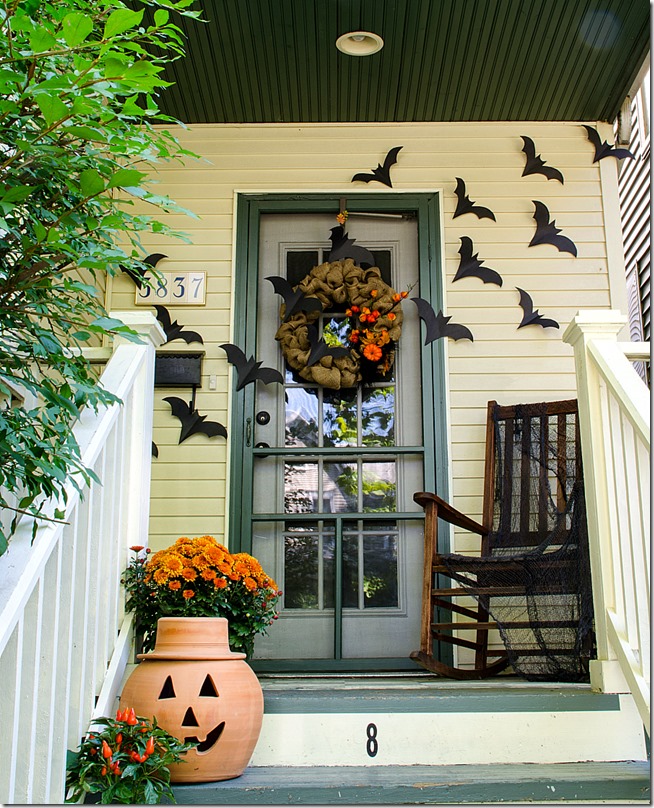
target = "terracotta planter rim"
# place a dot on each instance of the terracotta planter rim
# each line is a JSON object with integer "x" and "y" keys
{"x": 179, "y": 638}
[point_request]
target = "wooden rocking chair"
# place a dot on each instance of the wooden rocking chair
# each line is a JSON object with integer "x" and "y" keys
{"x": 531, "y": 580}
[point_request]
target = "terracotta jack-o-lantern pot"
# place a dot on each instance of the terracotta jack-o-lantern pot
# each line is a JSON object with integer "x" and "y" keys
{"x": 199, "y": 691}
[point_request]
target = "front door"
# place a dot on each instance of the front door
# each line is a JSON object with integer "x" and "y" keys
{"x": 333, "y": 472}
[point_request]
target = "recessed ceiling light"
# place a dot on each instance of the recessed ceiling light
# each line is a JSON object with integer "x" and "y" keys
{"x": 359, "y": 43}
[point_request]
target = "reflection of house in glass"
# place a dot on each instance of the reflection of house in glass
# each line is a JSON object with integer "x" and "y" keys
{"x": 325, "y": 485}
{"x": 369, "y": 566}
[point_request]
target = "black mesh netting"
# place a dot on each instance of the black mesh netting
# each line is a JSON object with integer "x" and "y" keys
{"x": 538, "y": 563}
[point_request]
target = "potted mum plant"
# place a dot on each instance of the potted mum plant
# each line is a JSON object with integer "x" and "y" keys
{"x": 199, "y": 577}
{"x": 124, "y": 760}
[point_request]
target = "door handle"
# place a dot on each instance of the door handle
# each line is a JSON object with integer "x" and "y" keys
{"x": 248, "y": 432}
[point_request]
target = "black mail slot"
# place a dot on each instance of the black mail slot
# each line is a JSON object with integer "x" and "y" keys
{"x": 178, "y": 369}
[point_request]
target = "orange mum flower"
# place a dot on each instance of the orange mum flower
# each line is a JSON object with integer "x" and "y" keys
{"x": 219, "y": 583}
{"x": 174, "y": 585}
{"x": 250, "y": 584}
{"x": 189, "y": 573}
{"x": 208, "y": 575}
{"x": 372, "y": 352}
{"x": 188, "y": 594}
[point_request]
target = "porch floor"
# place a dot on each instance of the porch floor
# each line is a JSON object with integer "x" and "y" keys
{"x": 590, "y": 783}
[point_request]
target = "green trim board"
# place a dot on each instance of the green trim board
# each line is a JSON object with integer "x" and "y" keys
{"x": 428, "y": 699}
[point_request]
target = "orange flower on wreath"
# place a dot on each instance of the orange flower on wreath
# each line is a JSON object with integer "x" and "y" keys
{"x": 372, "y": 352}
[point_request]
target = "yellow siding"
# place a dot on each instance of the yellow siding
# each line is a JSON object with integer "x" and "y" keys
{"x": 189, "y": 481}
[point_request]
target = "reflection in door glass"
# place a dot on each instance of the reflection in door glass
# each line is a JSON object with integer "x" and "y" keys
{"x": 380, "y": 571}
{"x": 308, "y": 566}
{"x": 378, "y": 416}
{"x": 300, "y": 487}
{"x": 340, "y": 487}
{"x": 340, "y": 422}
{"x": 378, "y": 486}
{"x": 301, "y": 572}
{"x": 301, "y": 417}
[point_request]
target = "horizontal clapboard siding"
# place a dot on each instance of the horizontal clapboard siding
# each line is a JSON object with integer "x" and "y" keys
{"x": 189, "y": 481}
{"x": 634, "y": 186}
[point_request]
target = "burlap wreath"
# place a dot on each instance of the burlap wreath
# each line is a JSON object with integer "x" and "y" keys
{"x": 375, "y": 320}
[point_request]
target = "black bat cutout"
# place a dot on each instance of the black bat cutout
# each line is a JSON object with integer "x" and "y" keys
{"x": 294, "y": 300}
{"x": 191, "y": 420}
{"x": 471, "y": 267}
{"x": 438, "y": 326}
{"x": 383, "y": 172}
{"x": 535, "y": 164}
{"x": 531, "y": 316}
{"x": 155, "y": 450}
{"x": 173, "y": 329}
{"x": 344, "y": 247}
{"x": 319, "y": 348}
{"x": 548, "y": 233}
{"x": 247, "y": 370}
{"x": 466, "y": 205}
{"x": 138, "y": 275}
{"x": 604, "y": 149}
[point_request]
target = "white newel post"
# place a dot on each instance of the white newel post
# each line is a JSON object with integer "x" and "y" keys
{"x": 586, "y": 326}
{"x": 136, "y": 510}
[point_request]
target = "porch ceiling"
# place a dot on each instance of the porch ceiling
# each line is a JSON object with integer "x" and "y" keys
{"x": 442, "y": 60}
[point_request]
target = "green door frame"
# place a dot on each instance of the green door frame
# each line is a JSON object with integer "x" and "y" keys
{"x": 248, "y": 211}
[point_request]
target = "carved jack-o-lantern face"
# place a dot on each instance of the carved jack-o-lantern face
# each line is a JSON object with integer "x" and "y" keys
{"x": 197, "y": 723}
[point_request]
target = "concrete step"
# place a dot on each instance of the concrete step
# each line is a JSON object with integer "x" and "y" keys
{"x": 590, "y": 783}
{"x": 408, "y": 721}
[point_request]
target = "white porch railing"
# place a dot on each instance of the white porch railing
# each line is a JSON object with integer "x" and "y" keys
{"x": 615, "y": 437}
{"x": 61, "y": 609}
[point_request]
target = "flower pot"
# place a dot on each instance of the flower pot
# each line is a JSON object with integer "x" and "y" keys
{"x": 199, "y": 690}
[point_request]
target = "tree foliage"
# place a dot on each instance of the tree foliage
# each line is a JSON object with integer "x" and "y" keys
{"x": 79, "y": 81}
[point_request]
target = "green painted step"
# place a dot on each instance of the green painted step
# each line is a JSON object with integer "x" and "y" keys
{"x": 427, "y": 785}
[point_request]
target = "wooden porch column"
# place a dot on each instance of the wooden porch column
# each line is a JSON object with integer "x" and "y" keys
{"x": 136, "y": 511}
{"x": 605, "y": 673}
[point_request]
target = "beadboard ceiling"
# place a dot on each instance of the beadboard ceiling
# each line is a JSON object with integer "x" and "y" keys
{"x": 275, "y": 61}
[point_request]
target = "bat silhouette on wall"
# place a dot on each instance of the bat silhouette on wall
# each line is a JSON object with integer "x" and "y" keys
{"x": 155, "y": 450}
{"x": 548, "y": 233}
{"x": 604, "y": 149}
{"x": 173, "y": 329}
{"x": 294, "y": 299}
{"x": 466, "y": 205}
{"x": 138, "y": 275}
{"x": 471, "y": 267}
{"x": 438, "y": 326}
{"x": 344, "y": 247}
{"x": 319, "y": 348}
{"x": 531, "y": 316}
{"x": 535, "y": 165}
{"x": 383, "y": 172}
{"x": 247, "y": 370}
{"x": 191, "y": 420}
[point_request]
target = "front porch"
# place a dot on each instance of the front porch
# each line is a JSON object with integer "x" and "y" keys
{"x": 403, "y": 738}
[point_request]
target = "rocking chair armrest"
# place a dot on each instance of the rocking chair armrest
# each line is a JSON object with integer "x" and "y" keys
{"x": 449, "y": 514}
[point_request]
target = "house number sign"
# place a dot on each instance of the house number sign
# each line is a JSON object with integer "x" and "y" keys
{"x": 175, "y": 289}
